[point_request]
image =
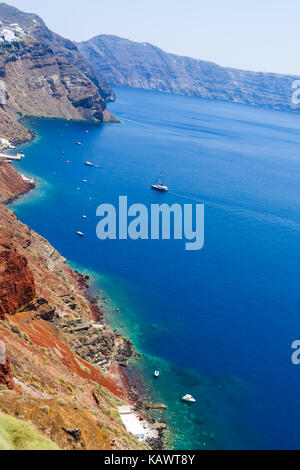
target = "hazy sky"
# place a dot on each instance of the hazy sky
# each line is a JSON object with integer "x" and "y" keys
{"x": 250, "y": 34}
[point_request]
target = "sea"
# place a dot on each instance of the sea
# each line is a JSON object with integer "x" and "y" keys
{"x": 217, "y": 323}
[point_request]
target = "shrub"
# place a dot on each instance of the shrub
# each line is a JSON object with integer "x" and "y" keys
{"x": 15, "y": 329}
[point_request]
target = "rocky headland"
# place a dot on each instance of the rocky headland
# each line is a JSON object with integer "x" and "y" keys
{"x": 44, "y": 75}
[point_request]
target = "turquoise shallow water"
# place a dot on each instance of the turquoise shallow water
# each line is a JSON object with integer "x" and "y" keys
{"x": 218, "y": 323}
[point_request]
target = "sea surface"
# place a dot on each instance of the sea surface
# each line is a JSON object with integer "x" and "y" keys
{"x": 218, "y": 323}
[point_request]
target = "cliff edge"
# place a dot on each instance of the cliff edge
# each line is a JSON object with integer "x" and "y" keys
{"x": 44, "y": 75}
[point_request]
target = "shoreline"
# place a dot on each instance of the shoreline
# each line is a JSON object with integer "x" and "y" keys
{"x": 128, "y": 381}
{"x": 118, "y": 370}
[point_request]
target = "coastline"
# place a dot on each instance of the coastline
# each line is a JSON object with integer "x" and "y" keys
{"x": 126, "y": 379}
{"x": 11, "y": 200}
{"x": 118, "y": 371}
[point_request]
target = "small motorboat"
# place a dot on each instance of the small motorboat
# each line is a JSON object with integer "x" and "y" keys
{"x": 88, "y": 163}
{"x": 96, "y": 166}
{"x": 80, "y": 234}
{"x": 156, "y": 374}
{"x": 188, "y": 398}
{"x": 84, "y": 181}
{"x": 84, "y": 216}
{"x": 78, "y": 143}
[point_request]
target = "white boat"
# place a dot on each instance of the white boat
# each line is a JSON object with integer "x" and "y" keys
{"x": 84, "y": 181}
{"x": 156, "y": 373}
{"x": 80, "y": 234}
{"x": 88, "y": 163}
{"x": 84, "y": 216}
{"x": 188, "y": 398}
{"x": 27, "y": 180}
{"x": 159, "y": 186}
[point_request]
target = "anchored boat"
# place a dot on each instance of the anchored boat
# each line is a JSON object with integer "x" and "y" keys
{"x": 159, "y": 186}
{"x": 156, "y": 374}
{"x": 188, "y": 398}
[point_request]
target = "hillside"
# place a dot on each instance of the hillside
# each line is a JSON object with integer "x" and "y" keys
{"x": 142, "y": 65}
{"x": 53, "y": 337}
{"x": 43, "y": 74}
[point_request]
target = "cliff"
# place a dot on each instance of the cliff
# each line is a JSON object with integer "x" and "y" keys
{"x": 43, "y": 74}
{"x": 142, "y": 65}
{"x": 52, "y": 339}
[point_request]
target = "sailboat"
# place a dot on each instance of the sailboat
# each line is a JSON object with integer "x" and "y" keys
{"x": 159, "y": 186}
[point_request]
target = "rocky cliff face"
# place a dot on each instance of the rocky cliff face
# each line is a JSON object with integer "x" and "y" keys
{"x": 44, "y": 75}
{"x": 17, "y": 287}
{"x": 6, "y": 377}
{"x": 142, "y": 65}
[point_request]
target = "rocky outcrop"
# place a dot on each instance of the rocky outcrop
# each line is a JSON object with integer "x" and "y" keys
{"x": 142, "y": 65}
{"x": 6, "y": 377}
{"x": 17, "y": 286}
{"x": 12, "y": 184}
{"x": 45, "y": 75}
{"x": 96, "y": 343}
{"x": 41, "y": 309}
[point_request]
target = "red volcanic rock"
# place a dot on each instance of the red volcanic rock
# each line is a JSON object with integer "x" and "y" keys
{"x": 17, "y": 286}
{"x": 6, "y": 377}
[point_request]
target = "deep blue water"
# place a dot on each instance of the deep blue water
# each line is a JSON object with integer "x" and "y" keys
{"x": 218, "y": 323}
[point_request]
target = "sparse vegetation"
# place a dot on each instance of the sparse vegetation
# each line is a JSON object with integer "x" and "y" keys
{"x": 15, "y": 329}
{"x": 22, "y": 435}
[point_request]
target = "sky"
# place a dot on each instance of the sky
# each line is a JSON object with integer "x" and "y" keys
{"x": 260, "y": 35}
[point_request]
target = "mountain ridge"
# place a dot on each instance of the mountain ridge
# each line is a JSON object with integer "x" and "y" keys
{"x": 142, "y": 65}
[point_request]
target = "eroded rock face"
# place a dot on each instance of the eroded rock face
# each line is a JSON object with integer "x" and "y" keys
{"x": 40, "y": 309}
{"x": 6, "y": 377}
{"x": 17, "y": 286}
